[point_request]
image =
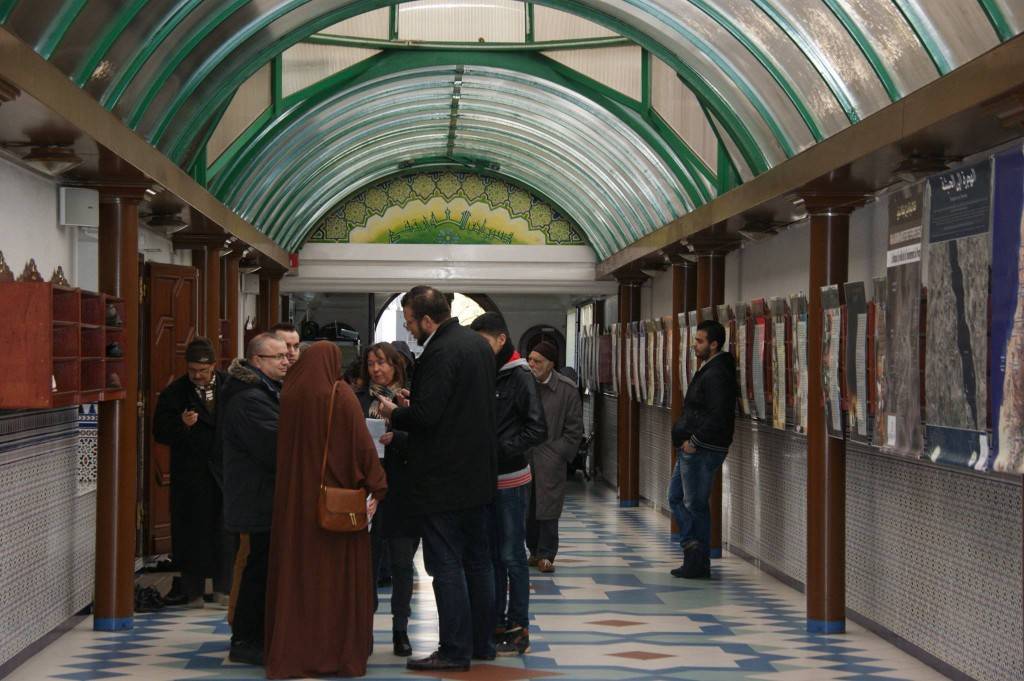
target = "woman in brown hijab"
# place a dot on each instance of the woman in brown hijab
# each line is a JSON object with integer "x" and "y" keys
{"x": 319, "y": 588}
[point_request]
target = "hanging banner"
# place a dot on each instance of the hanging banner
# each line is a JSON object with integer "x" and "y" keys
{"x": 631, "y": 380}
{"x": 616, "y": 360}
{"x": 759, "y": 359}
{"x": 604, "y": 365}
{"x": 684, "y": 342}
{"x": 902, "y": 417}
{"x": 856, "y": 361}
{"x": 798, "y": 345}
{"x": 956, "y": 354}
{"x": 1007, "y": 369}
{"x": 652, "y": 373}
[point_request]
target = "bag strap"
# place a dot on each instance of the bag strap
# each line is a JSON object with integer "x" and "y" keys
{"x": 327, "y": 439}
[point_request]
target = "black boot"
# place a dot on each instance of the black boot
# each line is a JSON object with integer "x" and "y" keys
{"x": 696, "y": 562}
{"x": 400, "y": 639}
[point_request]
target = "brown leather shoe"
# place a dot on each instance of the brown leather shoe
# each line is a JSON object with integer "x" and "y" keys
{"x": 545, "y": 565}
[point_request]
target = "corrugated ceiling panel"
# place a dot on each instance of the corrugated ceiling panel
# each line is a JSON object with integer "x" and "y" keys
{"x": 495, "y": 21}
{"x": 249, "y": 102}
{"x": 963, "y": 26}
{"x": 306, "y": 64}
{"x": 679, "y": 107}
{"x": 552, "y": 24}
{"x": 742, "y": 167}
{"x": 373, "y": 24}
{"x": 615, "y": 67}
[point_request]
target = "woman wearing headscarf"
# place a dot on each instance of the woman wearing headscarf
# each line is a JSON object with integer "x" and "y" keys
{"x": 320, "y": 590}
{"x": 395, "y": 537}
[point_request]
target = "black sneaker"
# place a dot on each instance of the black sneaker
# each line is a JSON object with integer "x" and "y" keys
{"x": 515, "y": 642}
{"x": 246, "y": 652}
{"x": 437, "y": 662}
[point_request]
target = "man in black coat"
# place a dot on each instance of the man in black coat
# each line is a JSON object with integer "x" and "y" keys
{"x": 186, "y": 418}
{"x": 521, "y": 425}
{"x": 452, "y": 455}
{"x": 702, "y": 436}
{"x": 249, "y": 441}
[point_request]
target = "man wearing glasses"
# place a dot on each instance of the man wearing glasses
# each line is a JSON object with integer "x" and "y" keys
{"x": 249, "y": 441}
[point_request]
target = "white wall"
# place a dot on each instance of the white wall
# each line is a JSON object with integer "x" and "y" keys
{"x": 28, "y": 222}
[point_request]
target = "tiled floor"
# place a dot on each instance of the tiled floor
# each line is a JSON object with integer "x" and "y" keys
{"x": 611, "y": 611}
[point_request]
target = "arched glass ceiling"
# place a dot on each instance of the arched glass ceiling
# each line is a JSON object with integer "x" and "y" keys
{"x": 542, "y": 134}
{"x": 775, "y": 75}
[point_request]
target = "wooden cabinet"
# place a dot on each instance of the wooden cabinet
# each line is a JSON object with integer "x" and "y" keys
{"x": 58, "y": 345}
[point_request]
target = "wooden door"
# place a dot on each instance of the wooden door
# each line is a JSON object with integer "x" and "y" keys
{"x": 172, "y": 313}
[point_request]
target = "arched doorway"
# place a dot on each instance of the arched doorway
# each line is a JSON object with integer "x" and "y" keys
{"x": 542, "y": 332}
{"x": 390, "y": 324}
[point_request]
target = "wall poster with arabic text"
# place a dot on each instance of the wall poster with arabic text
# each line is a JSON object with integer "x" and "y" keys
{"x": 902, "y": 415}
{"x": 956, "y": 350}
{"x": 742, "y": 358}
{"x": 856, "y": 361}
{"x": 831, "y": 359}
{"x": 778, "y": 309}
{"x": 798, "y": 348}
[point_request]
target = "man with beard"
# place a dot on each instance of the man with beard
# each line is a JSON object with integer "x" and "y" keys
{"x": 452, "y": 469}
{"x": 702, "y": 436}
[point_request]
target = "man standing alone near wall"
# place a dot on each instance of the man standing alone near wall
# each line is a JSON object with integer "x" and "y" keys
{"x": 702, "y": 436}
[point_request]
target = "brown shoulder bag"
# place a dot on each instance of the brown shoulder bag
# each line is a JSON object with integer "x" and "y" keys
{"x": 339, "y": 509}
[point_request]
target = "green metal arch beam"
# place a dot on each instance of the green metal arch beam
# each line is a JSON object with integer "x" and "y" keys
{"x": 996, "y": 18}
{"x": 535, "y": 65}
{"x": 106, "y": 39}
{"x": 58, "y": 27}
{"x": 866, "y": 48}
{"x": 925, "y": 34}
{"x": 227, "y": 84}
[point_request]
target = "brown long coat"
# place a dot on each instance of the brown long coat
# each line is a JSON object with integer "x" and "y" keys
{"x": 563, "y": 412}
{"x": 319, "y": 588}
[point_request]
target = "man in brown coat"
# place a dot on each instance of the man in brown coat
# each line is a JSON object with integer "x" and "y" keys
{"x": 564, "y": 413}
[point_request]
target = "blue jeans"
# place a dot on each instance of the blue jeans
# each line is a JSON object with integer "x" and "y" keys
{"x": 689, "y": 491}
{"x": 456, "y": 553}
{"x": 511, "y": 572}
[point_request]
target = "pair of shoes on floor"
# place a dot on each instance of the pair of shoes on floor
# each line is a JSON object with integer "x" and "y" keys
{"x": 246, "y": 652}
{"x": 400, "y": 641}
{"x": 545, "y": 565}
{"x": 515, "y": 641}
{"x": 696, "y": 562}
{"x": 147, "y": 599}
{"x": 685, "y": 572}
{"x": 217, "y": 600}
{"x": 437, "y": 662}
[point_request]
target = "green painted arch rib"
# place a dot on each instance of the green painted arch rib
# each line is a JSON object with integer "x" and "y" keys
{"x": 869, "y": 51}
{"x": 283, "y": 203}
{"x": 112, "y": 95}
{"x": 59, "y": 26}
{"x": 106, "y": 40}
{"x": 999, "y": 22}
{"x": 923, "y": 29}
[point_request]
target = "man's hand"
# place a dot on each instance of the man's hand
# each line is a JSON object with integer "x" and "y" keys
{"x": 689, "y": 448}
{"x": 189, "y": 418}
{"x": 386, "y": 438}
{"x": 386, "y": 406}
{"x": 402, "y": 398}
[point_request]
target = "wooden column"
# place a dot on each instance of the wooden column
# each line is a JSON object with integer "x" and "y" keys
{"x": 711, "y": 292}
{"x": 231, "y": 304}
{"x": 826, "y": 456}
{"x": 684, "y": 299}
{"x": 629, "y": 411}
{"x": 116, "y": 498}
{"x": 268, "y": 303}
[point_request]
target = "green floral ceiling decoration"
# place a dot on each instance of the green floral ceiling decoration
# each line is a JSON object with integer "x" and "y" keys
{"x": 447, "y": 207}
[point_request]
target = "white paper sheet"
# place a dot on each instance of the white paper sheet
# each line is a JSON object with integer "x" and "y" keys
{"x": 377, "y": 428}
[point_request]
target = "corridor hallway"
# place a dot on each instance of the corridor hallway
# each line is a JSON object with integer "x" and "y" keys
{"x": 611, "y": 611}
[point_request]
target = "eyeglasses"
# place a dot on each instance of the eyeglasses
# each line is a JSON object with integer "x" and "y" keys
{"x": 276, "y": 358}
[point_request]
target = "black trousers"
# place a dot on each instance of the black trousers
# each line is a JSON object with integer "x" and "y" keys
{"x": 251, "y": 610}
{"x": 541, "y": 535}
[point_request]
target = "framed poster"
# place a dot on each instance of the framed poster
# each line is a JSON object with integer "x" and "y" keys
{"x": 1007, "y": 369}
{"x": 956, "y": 345}
{"x": 653, "y": 375}
{"x": 759, "y": 359}
{"x": 692, "y": 363}
{"x": 684, "y": 343}
{"x": 777, "y": 306}
{"x": 742, "y": 357}
{"x": 667, "y": 336}
{"x": 616, "y": 358}
{"x": 831, "y": 362}
{"x": 627, "y": 358}
{"x": 723, "y": 313}
{"x": 903, "y": 432}
{"x": 856, "y": 361}
{"x": 645, "y": 384}
{"x": 878, "y": 434}
{"x": 798, "y": 343}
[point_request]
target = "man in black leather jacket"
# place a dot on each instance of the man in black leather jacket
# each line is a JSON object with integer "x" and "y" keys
{"x": 702, "y": 436}
{"x": 521, "y": 425}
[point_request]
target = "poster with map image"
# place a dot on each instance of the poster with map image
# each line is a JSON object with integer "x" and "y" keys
{"x": 903, "y": 432}
{"x": 856, "y": 381}
{"x": 1006, "y": 382}
{"x": 831, "y": 359}
{"x": 878, "y": 434}
{"x": 956, "y": 354}
{"x": 798, "y": 348}
{"x": 778, "y": 309}
{"x": 742, "y": 325}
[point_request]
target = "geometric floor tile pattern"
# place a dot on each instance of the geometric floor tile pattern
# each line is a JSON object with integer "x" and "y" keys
{"x": 611, "y": 611}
